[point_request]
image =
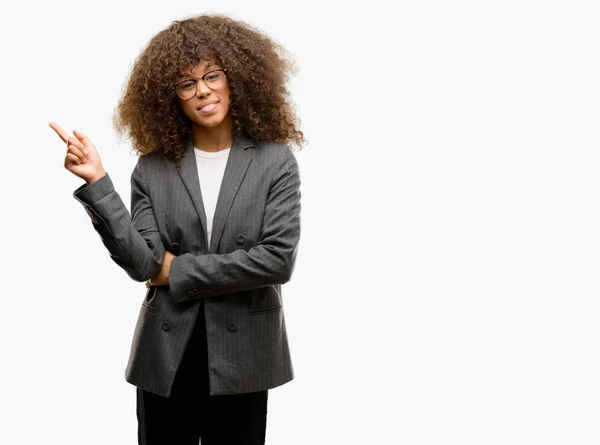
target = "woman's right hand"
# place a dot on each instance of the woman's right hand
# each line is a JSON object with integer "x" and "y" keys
{"x": 82, "y": 158}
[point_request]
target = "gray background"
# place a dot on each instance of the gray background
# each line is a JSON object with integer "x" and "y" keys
{"x": 446, "y": 284}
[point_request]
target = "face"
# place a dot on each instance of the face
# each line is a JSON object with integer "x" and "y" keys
{"x": 212, "y": 116}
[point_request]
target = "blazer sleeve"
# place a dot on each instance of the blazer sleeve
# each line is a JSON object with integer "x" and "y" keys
{"x": 132, "y": 240}
{"x": 270, "y": 262}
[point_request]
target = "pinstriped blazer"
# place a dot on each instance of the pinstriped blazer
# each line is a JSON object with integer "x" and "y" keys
{"x": 238, "y": 281}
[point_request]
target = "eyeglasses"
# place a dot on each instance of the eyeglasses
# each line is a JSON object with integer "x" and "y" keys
{"x": 186, "y": 89}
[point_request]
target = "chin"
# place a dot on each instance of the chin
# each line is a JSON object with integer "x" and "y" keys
{"x": 209, "y": 122}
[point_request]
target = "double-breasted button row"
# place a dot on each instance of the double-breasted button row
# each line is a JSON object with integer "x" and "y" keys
{"x": 201, "y": 292}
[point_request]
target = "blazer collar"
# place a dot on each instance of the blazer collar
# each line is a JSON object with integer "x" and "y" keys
{"x": 238, "y": 161}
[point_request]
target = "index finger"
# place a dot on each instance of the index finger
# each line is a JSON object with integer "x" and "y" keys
{"x": 62, "y": 133}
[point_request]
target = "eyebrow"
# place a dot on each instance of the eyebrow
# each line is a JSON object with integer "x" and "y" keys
{"x": 187, "y": 76}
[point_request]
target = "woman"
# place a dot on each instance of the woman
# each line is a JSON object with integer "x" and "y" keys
{"x": 213, "y": 229}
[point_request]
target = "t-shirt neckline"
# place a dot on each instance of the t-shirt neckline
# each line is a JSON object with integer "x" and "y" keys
{"x": 211, "y": 154}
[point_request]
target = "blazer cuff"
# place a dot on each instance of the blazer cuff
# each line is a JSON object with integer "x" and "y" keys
{"x": 91, "y": 193}
{"x": 181, "y": 280}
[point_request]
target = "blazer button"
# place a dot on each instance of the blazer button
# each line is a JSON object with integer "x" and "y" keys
{"x": 175, "y": 246}
{"x": 232, "y": 327}
{"x": 165, "y": 326}
{"x": 240, "y": 238}
{"x": 206, "y": 292}
{"x": 190, "y": 293}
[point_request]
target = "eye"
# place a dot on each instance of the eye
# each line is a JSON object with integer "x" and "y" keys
{"x": 213, "y": 76}
{"x": 187, "y": 84}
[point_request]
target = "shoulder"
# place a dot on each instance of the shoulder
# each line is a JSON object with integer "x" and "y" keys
{"x": 150, "y": 163}
{"x": 276, "y": 161}
{"x": 150, "y": 158}
{"x": 274, "y": 153}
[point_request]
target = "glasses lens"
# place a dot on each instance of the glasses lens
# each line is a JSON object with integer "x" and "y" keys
{"x": 186, "y": 89}
{"x": 215, "y": 79}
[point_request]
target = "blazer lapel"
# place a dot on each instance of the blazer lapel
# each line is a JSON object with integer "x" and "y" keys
{"x": 237, "y": 164}
{"x": 189, "y": 174}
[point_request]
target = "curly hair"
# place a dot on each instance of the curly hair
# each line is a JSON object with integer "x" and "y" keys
{"x": 257, "y": 71}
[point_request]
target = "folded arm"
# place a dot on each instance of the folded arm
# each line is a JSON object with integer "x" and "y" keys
{"x": 270, "y": 262}
{"x": 132, "y": 240}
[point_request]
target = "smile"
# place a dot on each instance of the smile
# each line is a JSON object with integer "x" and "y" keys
{"x": 208, "y": 108}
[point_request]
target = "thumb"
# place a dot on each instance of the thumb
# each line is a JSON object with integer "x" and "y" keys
{"x": 82, "y": 137}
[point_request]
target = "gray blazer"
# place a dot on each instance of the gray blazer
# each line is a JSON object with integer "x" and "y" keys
{"x": 252, "y": 253}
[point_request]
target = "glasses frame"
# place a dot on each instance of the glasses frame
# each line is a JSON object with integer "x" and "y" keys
{"x": 196, "y": 79}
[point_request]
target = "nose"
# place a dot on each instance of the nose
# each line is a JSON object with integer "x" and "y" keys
{"x": 201, "y": 88}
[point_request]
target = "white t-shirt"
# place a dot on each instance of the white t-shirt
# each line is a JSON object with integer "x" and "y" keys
{"x": 211, "y": 167}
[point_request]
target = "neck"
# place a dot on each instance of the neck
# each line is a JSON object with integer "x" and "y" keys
{"x": 215, "y": 138}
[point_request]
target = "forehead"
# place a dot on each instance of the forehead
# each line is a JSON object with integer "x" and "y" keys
{"x": 199, "y": 69}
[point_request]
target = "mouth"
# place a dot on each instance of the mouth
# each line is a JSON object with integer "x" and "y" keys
{"x": 208, "y": 108}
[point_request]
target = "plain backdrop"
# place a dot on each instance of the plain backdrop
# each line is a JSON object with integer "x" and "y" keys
{"x": 446, "y": 287}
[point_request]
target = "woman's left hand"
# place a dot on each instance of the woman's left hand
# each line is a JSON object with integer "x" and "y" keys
{"x": 162, "y": 277}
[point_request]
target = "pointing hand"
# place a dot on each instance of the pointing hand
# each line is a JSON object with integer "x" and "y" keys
{"x": 82, "y": 158}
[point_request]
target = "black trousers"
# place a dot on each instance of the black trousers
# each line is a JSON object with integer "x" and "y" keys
{"x": 190, "y": 413}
